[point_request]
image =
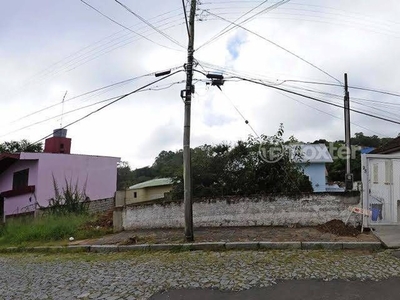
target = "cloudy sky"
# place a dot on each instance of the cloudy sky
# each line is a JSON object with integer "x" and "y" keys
{"x": 49, "y": 47}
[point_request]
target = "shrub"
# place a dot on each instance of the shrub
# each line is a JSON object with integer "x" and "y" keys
{"x": 69, "y": 200}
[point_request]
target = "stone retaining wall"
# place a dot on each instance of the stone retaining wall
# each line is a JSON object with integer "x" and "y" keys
{"x": 308, "y": 210}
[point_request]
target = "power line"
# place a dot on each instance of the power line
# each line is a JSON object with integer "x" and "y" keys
{"x": 377, "y": 109}
{"x": 74, "y": 63}
{"x": 112, "y": 48}
{"x": 156, "y": 88}
{"x": 88, "y": 93}
{"x": 354, "y": 100}
{"x": 114, "y": 101}
{"x": 84, "y": 54}
{"x": 318, "y": 100}
{"x": 279, "y": 46}
{"x": 60, "y": 115}
{"x": 351, "y": 87}
{"x": 186, "y": 18}
{"x": 350, "y": 14}
{"x": 349, "y": 22}
{"x": 227, "y": 29}
{"x": 238, "y": 111}
{"x": 223, "y": 31}
{"x": 149, "y": 24}
{"x": 329, "y": 114}
{"x": 235, "y": 73}
{"x": 127, "y": 28}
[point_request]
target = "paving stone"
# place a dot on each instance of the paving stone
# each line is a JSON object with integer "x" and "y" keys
{"x": 139, "y": 275}
{"x": 84, "y": 295}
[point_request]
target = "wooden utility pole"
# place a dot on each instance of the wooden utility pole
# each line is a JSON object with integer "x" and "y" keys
{"x": 187, "y": 168}
{"x": 349, "y": 176}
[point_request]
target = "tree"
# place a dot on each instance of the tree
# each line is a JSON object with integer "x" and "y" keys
{"x": 124, "y": 175}
{"x": 20, "y": 146}
{"x": 239, "y": 170}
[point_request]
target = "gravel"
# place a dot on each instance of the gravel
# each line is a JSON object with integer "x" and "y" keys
{"x": 141, "y": 275}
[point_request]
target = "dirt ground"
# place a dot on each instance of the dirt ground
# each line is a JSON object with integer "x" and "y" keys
{"x": 227, "y": 234}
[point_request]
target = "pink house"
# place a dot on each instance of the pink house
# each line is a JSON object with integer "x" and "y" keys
{"x": 26, "y": 179}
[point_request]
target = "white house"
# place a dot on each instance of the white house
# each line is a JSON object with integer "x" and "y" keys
{"x": 313, "y": 159}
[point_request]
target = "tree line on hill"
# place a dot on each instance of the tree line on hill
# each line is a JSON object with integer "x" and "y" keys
{"x": 225, "y": 169}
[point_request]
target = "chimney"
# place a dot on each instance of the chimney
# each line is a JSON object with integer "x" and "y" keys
{"x": 58, "y": 143}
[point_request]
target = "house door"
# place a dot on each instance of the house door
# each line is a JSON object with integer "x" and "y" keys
{"x": 381, "y": 182}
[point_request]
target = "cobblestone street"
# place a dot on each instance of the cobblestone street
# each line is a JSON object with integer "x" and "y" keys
{"x": 141, "y": 275}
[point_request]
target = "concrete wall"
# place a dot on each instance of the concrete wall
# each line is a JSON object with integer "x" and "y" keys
{"x": 101, "y": 205}
{"x": 242, "y": 211}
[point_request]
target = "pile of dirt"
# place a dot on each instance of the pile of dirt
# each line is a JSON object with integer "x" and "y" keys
{"x": 337, "y": 227}
{"x": 104, "y": 220}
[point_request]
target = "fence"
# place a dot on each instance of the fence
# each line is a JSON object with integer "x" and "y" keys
{"x": 308, "y": 210}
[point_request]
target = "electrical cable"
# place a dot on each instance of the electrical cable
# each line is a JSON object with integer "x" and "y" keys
{"x": 329, "y": 114}
{"x": 114, "y": 101}
{"x": 280, "y": 47}
{"x": 232, "y": 72}
{"x": 149, "y": 24}
{"x": 156, "y": 88}
{"x": 350, "y": 87}
{"x": 60, "y": 115}
{"x": 127, "y": 28}
{"x": 228, "y": 26}
{"x": 318, "y": 100}
{"x": 90, "y": 92}
{"x": 94, "y": 43}
{"x": 238, "y": 111}
{"x": 227, "y": 29}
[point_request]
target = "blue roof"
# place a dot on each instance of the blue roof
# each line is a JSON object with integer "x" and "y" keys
{"x": 367, "y": 150}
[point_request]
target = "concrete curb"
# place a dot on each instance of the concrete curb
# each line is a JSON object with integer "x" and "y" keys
{"x": 206, "y": 246}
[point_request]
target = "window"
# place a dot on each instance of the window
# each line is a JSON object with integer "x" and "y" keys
{"x": 20, "y": 179}
{"x": 134, "y": 194}
{"x": 388, "y": 172}
{"x": 376, "y": 173}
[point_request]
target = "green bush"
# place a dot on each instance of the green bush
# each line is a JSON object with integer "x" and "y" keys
{"x": 69, "y": 200}
{"x": 47, "y": 229}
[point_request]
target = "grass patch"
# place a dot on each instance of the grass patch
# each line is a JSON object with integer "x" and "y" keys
{"x": 49, "y": 230}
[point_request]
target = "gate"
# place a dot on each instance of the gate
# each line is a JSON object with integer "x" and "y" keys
{"x": 381, "y": 189}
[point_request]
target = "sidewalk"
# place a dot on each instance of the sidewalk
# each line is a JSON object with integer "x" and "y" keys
{"x": 222, "y": 238}
{"x": 225, "y": 234}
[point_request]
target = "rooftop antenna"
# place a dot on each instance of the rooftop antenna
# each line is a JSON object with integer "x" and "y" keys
{"x": 62, "y": 109}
